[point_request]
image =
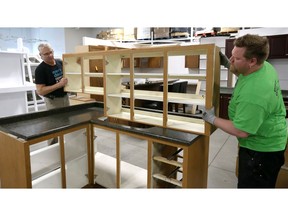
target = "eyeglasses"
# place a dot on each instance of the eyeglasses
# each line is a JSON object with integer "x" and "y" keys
{"x": 48, "y": 53}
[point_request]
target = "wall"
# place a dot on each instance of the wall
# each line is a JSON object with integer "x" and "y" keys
{"x": 73, "y": 37}
{"x": 32, "y": 37}
{"x": 8, "y": 38}
{"x": 54, "y": 36}
{"x": 63, "y": 40}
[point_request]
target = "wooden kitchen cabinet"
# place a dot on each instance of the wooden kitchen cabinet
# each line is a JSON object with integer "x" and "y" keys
{"x": 94, "y": 66}
{"x": 229, "y": 47}
{"x": 224, "y": 103}
{"x": 114, "y": 93}
{"x": 169, "y": 164}
{"x": 155, "y": 62}
{"x": 34, "y": 164}
{"x": 278, "y": 46}
{"x": 151, "y": 62}
{"x": 126, "y": 62}
{"x": 192, "y": 61}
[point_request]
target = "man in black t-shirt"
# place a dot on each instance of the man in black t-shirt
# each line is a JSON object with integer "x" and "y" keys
{"x": 49, "y": 79}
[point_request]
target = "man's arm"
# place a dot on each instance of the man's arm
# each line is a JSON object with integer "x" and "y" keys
{"x": 228, "y": 127}
{"x": 44, "y": 90}
{"x": 223, "y": 124}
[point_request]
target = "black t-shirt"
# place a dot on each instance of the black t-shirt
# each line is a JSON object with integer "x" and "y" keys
{"x": 49, "y": 75}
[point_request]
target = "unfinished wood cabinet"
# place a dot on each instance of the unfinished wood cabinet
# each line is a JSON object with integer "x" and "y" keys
{"x": 126, "y": 62}
{"x": 94, "y": 66}
{"x": 178, "y": 166}
{"x": 114, "y": 93}
{"x": 169, "y": 164}
{"x": 35, "y": 164}
{"x": 152, "y": 62}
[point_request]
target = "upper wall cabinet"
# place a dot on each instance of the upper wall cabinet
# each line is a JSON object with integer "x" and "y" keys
{"x": 151, "y": 62}
{"x": 94, "y": 66}
{"x": 229, "y": 47}
{"x": 192, "y": 61}
{"x": 278, "y": 46}
{"x": 114, "y": 76}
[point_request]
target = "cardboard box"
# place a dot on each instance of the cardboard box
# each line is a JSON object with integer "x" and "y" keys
{"x": 129, "y": 33}
{"x": 143, "y": 33}
{"x": 161, "y": 33}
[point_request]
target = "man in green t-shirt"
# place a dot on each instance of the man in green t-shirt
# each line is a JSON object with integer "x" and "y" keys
{"x": 256, "y": 113}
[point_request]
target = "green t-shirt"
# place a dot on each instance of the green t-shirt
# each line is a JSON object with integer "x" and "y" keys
{"x": 257, "y": 108}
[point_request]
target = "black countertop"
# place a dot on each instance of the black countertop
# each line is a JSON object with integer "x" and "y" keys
{"x": 37, "y": 124}
{"x": 34, "y": 125}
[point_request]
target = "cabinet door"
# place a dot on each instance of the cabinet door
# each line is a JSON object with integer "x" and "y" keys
{"x": 278, "y": 46}
{"x": 192, "y": 61}
{"x": 224, "y": 103}
{"x": 229, "y": 47}
{"x": 155, "y": 62}
{"x": 126, "y": 62}
{"x": 151, "y": 62}
{"x": 286, "y": 50}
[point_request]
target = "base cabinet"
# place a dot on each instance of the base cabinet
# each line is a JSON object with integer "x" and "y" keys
{"x": 169, "y": 165}
{"x": 64, "y": 164}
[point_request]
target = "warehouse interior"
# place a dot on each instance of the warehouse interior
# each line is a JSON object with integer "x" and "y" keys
{"x": 221, "y": 179}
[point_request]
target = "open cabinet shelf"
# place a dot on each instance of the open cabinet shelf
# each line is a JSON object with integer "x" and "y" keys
{"x": 115, "y": 93}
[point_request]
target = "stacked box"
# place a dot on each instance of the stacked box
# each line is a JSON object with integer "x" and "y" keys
{"x": 129, "y": 33}
{"x": 143, "y": 33}
{"x": 229, "y": 29}
{"x": 179, "y": 32}
{"x": 161, "y": 33}
{"x": 102, "y": 35}
{"x": 116, "y": 34}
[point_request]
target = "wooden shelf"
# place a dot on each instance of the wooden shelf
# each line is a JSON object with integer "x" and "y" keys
{"x": 94, "y": 90}
{"x": 153, "y": 118}
{"x": 93, "y": 74}
{"x": 167, "y": 179}
{"x": 114, "y": 75}
{"x": 165, "y": 160}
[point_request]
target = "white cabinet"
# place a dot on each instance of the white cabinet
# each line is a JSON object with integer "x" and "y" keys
{"x": 14, "y": 87}
{"x": 35, "y": 102}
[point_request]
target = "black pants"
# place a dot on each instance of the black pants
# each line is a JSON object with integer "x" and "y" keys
{"x": 259, "y": 169}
